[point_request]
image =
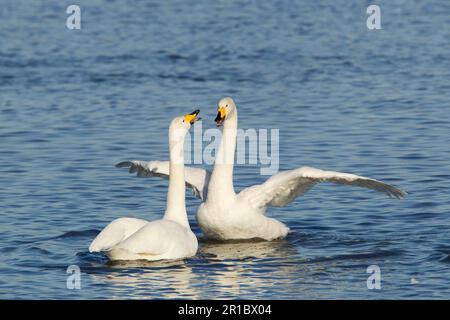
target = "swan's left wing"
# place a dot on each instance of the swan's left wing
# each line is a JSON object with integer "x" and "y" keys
{"x": 285, "y": 186}
{"x": 196, "y": 178}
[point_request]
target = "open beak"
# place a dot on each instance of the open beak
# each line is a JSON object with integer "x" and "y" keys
{"x": 192, "y": 117}
{"x": 220, "y": 116}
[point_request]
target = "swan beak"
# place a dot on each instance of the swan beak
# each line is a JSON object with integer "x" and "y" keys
{"x": 220, "y": 116}
{"x": 192, "y": 117}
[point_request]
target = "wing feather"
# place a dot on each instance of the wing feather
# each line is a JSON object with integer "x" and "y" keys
{"x": 155, "y": 238}
{"x": 115, "y": 232}
{"x": 285, "y": 186}
{"x": 196, "y": 178}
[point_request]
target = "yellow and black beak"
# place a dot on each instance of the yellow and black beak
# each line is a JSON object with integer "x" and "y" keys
{"x": 220, "y": 116}
{"x": 192, "y": 117}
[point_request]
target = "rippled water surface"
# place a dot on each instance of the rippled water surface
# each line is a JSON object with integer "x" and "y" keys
{"x": 376, "y": 103}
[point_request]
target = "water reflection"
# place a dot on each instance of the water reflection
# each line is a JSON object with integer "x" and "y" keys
{"x": 221, "y": 269}
{"x": 251, "y": 249}
{"x": 235, "y": 263}
{"x": 160, "y": 279}
{"x": 237, "y": 269}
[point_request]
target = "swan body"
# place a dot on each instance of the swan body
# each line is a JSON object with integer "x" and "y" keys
{"x": 239, "y": 220}
{"x": 168, "y": 238}
{"x": 156, "y": 240}
{"x": 225, "y": 215}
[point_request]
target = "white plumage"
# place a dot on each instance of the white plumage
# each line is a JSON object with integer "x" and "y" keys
{"x": 223, "y": 214}
{"x": 168, "y": 238}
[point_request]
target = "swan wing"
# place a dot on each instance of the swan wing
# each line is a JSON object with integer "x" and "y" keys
{"x": 196, "y": 178}
{"x": 285, "y": 186}
{"x": 155, "y": 238}
{"x": 115, "y": 232}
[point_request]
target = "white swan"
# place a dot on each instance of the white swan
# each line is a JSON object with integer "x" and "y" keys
{"x": 168, "y": 238}
{"x": 223, "y": 214}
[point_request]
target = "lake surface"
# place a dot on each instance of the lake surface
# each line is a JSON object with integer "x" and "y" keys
{"x": 376, "y": 103}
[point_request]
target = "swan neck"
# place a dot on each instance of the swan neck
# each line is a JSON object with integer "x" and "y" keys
{"x": 222, "y": 176}
{"x": 176, "y": 206}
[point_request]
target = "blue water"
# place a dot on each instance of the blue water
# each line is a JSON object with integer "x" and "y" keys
{"x": 376, "y": 103}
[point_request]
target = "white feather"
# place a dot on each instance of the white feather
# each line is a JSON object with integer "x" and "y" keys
{"x": 224, "y": 215}
{"x": 168, "y": 238}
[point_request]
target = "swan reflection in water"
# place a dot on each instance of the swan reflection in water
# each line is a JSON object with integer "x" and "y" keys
{"x": 221, "y": 269}
{"x": 148, "y": 279}
{"x": 247, "y": 250}
{"x": 239, "y": 267}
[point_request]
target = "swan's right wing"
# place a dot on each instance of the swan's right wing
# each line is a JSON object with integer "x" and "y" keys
{"x": 285, "y": 186}
{"x": 115, "y": 232}
{"x": 154, "y": 238}
{"x": 196, "y": 178}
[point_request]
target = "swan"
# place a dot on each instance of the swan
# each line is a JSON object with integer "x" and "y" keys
{"x": 225, "y": 215}
{"x": 168, "y": 238}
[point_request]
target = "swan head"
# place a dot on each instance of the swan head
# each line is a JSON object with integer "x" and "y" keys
{"x": 225, "y": 109}
{"x": 181, "y": 125}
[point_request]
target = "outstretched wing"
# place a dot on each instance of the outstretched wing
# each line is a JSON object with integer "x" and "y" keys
{"x": 196, "y": 178}
{"x": 284, "y": 187}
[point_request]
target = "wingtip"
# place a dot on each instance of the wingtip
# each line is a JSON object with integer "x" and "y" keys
{"x": 400, "y": 194}
{"x": 403, "y": 194}
{"x": 122, "y": 164}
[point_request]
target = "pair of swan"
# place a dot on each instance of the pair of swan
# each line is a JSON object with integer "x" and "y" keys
{"x": 168, "y": 238}
{"x": 225, "y": 215}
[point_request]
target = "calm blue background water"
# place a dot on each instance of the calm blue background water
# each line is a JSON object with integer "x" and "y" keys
{"x": 375, "y": 103}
